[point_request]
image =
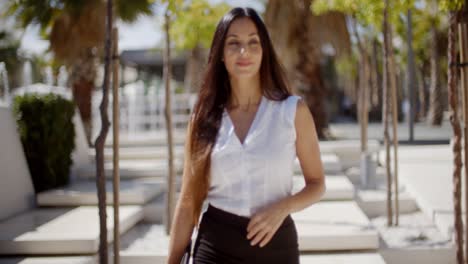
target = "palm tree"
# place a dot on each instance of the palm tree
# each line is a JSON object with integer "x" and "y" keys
{"x": 76, "y": 32}
{"x": 298, "y": 36}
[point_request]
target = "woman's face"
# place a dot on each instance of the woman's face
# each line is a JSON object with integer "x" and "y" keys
{"x": 242, "y": 52}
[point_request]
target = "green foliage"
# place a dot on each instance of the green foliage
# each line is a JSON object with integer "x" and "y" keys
{"x": 450, "y": 5}
{"x": 346, "y": 66}
{"x": 48, "y": 136}
{"x": 195, "y": 23}
{"x": 368, "y": 13}
{"x": 425, "y": 15}
{"x": 129, "y": 11}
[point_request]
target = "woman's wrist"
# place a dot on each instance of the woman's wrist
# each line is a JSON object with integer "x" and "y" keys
{"x": 287, "y": 206}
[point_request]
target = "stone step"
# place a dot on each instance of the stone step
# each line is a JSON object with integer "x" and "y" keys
{"x": 61, "y": 231}
{"x": 416, "y": 239}
{"x": 342, "y": 258}
{"x": 349, "y": 151}
{"x": 354, "y": 175}
{"x": 127, "y": 257}
{"x": 132, "y": 169}
{"x": 427, "y": 174}
{"x": 130, "y": 153}
{"x": 320, "y": 228}
{"x": 331, "y": 164}
{"x": 338, "y": 187}
{"x": 50, "y": 260}
{"x": 158, "y": 168}
{"x": 445, "y": 222}
{"x": 336, "y": 225}
{"x": 374, "y": 202}
{"x": 152, "y": 138}
{"x": 136, "y": 192}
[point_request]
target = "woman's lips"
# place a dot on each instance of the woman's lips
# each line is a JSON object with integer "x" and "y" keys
{"x": 244, "y": 64}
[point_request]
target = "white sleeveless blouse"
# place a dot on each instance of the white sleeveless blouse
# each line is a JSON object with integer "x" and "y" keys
{"x": 247, "y": 177}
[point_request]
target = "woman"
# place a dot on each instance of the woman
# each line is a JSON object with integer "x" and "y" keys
{"x": 244, "y": 135}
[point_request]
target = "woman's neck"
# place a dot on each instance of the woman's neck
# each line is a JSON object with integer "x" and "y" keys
{"x": 245, "y": 92}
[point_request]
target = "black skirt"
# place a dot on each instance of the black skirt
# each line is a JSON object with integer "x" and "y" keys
{"x": 222, "y": 238}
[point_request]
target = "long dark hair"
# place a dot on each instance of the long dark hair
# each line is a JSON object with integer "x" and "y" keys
{"x": 214, "y": 94}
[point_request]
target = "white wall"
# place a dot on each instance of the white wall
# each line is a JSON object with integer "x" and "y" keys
{"x": 16, "y": 188}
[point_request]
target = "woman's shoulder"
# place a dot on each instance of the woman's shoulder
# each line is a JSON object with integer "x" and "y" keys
{"x": 287, "y": 107}
{"x": 292, "y": 102}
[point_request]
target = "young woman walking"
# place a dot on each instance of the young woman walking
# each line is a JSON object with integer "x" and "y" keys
{"x": 244, "y": 135}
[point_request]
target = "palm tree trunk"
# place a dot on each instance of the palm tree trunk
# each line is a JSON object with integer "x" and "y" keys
{"x": 436, "y": 106}
{"x": 309, "y": 78}
{"x": 290, "y": 25}
{"x": 82, "y": 75}
{"x": 386, "y": 111}
{"x": 168, "y": 115}
{"x": 101, "y": 139}
{"x": 454, "y": 120}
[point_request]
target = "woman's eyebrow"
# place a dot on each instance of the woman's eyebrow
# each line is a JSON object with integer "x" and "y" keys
{"x": 235, "y": 35}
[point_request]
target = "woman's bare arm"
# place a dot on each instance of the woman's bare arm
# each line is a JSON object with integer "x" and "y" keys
{"x": 308, "y": 153}
{"x": 182, "y": 224}
{"x": 264, "y": 224}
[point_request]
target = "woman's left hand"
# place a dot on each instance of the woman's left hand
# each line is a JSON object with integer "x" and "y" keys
{"x": 264, "y": 224}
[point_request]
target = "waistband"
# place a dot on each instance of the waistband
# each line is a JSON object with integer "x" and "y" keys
{"x": 233, "y": 219}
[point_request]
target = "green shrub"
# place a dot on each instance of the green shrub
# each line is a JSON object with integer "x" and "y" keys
{"x": 48, "y": 136}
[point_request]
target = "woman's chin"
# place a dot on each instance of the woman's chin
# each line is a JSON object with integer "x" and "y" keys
{"x": 245, "y": 73}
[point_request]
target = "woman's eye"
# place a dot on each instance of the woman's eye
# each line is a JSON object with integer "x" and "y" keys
{"x": 233, "y": 43}
{"x": 254, "y": 42}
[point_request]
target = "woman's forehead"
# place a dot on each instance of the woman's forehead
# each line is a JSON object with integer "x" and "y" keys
{"x": 242, "y": 27}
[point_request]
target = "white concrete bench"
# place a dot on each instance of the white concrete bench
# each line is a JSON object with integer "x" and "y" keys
{"x": 326, "y": 226}
{"x": 144, "y": 139}
{"x": 61, "y": 231}
{"x": 329, "y": 226}
{"x": 426, "y": 172}
{"x": 338, "y": 187}
{"x": 130, "y": 169}
{"x": 349, "y": 151}
{"x": 129, "y": 153}
{"x": 132, "y": 192}
{"x": 50, "y": 260}
{"x": 342, "y": 258}
{"x": 331, "y": 164}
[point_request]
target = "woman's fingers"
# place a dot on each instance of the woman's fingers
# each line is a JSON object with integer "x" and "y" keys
{"x": 257, "y": 227}
{"x": 267, "y": 238}
{"x": 254, "y": 221}
{"x": 261, "y": 234}
{"x": 262, "y": 226}
{"x": 270, "y": 234}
